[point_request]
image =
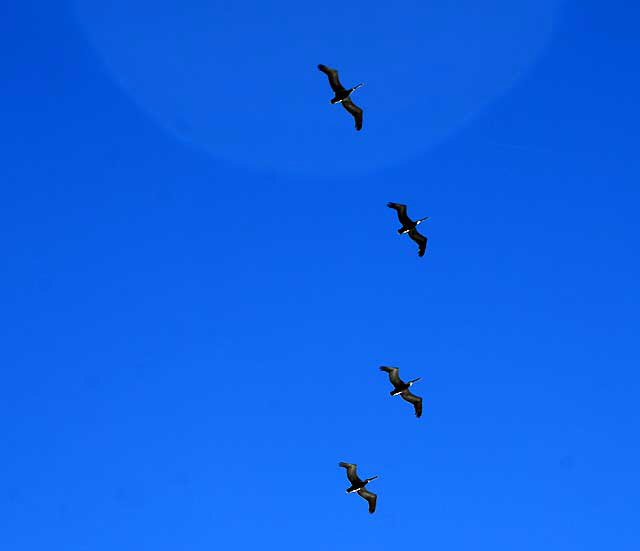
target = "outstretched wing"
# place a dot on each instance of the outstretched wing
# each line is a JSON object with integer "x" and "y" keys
{"x": 351, "y": 472}
{"x": 333, "y": 78}
{"x": 402, "y": 213}
{"x": 355, "y": 111}
{"x": 413, "y": 399}
{"x": 420, "y": 239}
{"x": 393, "y": 375}
{"x": 370, "y": 497}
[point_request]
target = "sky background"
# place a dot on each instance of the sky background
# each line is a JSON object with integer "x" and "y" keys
{"x": 199, "y": 276}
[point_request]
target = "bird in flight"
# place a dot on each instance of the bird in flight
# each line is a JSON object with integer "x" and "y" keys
{"x": 409, "y": 226}
{"x": 358, "y": 485}
{"x": 342, "y": 94}
{"x": 402, "y": 388}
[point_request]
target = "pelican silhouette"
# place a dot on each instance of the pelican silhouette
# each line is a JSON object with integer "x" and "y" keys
{"x": 409, "y": 226}
{"x": 342, "y": 94}
{"x": 358, "y": 485}
{"x": 402, "y": 388}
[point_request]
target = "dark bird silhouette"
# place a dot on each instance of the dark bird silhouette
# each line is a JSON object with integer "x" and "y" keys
{"x": 409, "y": 226}
{"x": 342, "y": 94}
{"x": 358, "y": 485}
{"x": 402, "y": 388}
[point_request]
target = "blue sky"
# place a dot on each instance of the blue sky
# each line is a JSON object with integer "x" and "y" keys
{"x": 200, "y": 276}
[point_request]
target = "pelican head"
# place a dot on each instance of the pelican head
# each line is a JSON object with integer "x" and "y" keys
{"x": 367, "y": 480}
{"x": 422, "y": 220}
{"x": 414, "y": 381}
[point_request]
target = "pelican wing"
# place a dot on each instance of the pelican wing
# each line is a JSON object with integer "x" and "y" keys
{"x": 420, "y": 239}
{"x": 370, "y": 497}
{"x": 355, "y": 111}
{"x": 393, "y": 375}
{"x": 351, "y": 472}
{"x": 413, "y": 399}
{"x": 333, "y": 78}
{"x": 402, "y": 213}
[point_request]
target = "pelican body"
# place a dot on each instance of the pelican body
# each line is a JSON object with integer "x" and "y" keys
{"x": 401, "y": 388}
{"x": 343, "y": 94}
{"x": 356, "y": 487}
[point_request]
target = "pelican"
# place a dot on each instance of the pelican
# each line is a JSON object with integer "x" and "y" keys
{"x": 402, "y": 388}
{"x": 358, "y": 485}
{"x": 342, "y": 94}
{"x": 409, "y": 226}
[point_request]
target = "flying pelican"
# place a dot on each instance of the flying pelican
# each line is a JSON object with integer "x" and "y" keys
{"x": 358, "y": 485}
{"x": 409, "y": 226}
{"x": 402, "y": 388}
{"x": 342, "y": 94}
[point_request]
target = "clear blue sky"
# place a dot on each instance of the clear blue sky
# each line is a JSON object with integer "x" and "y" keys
{"x": 199, "y": 276}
